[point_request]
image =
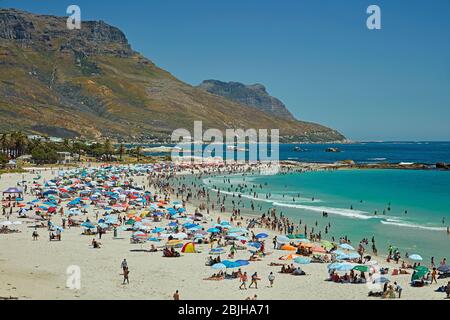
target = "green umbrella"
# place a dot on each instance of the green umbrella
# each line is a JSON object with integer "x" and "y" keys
{"x": 419, "y": 275}
{"x": 422, "y": 269}
{"x": 361, "y": 268}
{"x": 130, "y": 222}
{"x": 327, "y": 244}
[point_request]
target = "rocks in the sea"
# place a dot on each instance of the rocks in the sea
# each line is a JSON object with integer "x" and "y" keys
{"x": 443, "y": 166}
{"x": 332, "y": 150}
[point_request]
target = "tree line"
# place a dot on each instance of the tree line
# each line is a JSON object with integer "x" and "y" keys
{"x": 43, "y": 151}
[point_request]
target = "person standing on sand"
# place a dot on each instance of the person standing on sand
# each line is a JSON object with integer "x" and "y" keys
{"x": 271, "y": 279}
{"x": 433, "y": 276}
{"x": 124, "y": 265}
{"x": 244, "y": 279}
{"x": 254, "y": 281}
{"x": 126, "y": 272}
{"x": 176, "y": 295}
{"x": 399, "y": 289}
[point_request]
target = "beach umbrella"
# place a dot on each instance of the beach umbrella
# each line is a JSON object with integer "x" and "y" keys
{"x": 318, "y": 250}
{"x": 256, "y": 245}
{"x": 417, "y": 275}
{"x": 218, "y": 266}
{"x": 242, "y": 238}
{"x": 338, "y": 266}
{"x": 139, "y": 234}
{"x": 88, "y": 225}
{"x": 415, "y": 257}
{"x": 261, "y": 236}
{"x": 346, "y": 246}
{"x": 180, "y": 236}
{"x": 362, "y": 268}
{"x": 231, "y": 264}
{"x": 381, "y": 280}
{"x": 157, "y": 230}
{"x": 282, "y": 239}
{"x": 302, "y": 260}
{"x": 291, "y": 256}
{"x": 444, "y": 268}
{"x": 327, "y": 244}
{"x": 288, "y": 247}
{"x": 217, "y": 251}
{"x": 242, "y": 262}
{"x": 422, "y": 269}
{"x": 213, "y": 230}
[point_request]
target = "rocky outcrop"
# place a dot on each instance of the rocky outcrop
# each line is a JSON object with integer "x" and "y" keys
{"x": 443, "y": 166}
{"x": 251, "y": 95}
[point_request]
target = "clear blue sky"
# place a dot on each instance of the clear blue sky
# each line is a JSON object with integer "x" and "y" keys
{"x": 317, "y": 56}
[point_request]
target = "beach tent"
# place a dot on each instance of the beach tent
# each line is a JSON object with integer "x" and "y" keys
{"x": 188, "y": 248}
{"x": 13, "y": 190}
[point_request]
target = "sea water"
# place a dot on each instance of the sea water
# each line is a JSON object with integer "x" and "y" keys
{"x": 409, "y": 209}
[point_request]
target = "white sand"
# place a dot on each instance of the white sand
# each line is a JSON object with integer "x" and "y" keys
{"x": 37, "y": 270}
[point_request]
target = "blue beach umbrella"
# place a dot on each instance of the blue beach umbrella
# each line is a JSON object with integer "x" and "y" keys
{"x": 283, "y": 239}
{"x": 242, "y": 262}
{"x": 346, "y": 246}
{"x": 381, "y": 280}
{"x": 88, "y": 225}
{"x": 415, "y": 257}
{"x": 217, "y": 251}
{"x": 218, "y": 266}
{"x": 261, "y": 235}
{"x": 302, "y": 260}
{"x": 338, "y": 266}
{"x": 256, "y": 245}
{"x": 213, "y": 230}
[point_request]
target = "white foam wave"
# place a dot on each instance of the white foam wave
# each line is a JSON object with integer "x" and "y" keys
{"x": 356, "y": 214}
{"x": 394, "y": 222}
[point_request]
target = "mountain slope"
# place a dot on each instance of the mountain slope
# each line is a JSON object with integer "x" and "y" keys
{"x": 250, "y": 95}
{"x": 90, "y": 83}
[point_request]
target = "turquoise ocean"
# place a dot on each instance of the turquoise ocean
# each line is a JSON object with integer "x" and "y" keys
{"x": 419, "y": 202}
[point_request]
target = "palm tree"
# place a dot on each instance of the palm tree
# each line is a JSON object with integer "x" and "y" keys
{"x": 108, "y": 149}
{"x": 138, "y": 153}
{"x": 121, "y": 151}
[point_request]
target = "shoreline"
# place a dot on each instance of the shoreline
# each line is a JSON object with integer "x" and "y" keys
{"x": 31, "y": 270}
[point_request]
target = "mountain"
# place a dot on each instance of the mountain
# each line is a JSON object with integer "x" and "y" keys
{"x": 250, "y": 95}
{"x": 91, "y": 83}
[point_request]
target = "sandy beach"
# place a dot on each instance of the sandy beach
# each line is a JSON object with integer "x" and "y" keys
{"x": 37, "y": 269}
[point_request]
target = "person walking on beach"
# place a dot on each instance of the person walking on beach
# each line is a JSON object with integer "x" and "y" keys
{"x": 176, "y": 295}
{"x": 254, "y": 281}
{"x": 433, "y": 276}
{"x": 126, "y": 272}
{"x": 244, "y": 279}
{"x": 124, "y": 265}
{"x": 271, "y": 279}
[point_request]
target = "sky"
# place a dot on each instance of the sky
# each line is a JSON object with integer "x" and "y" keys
{"x": 317, "y": 56}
